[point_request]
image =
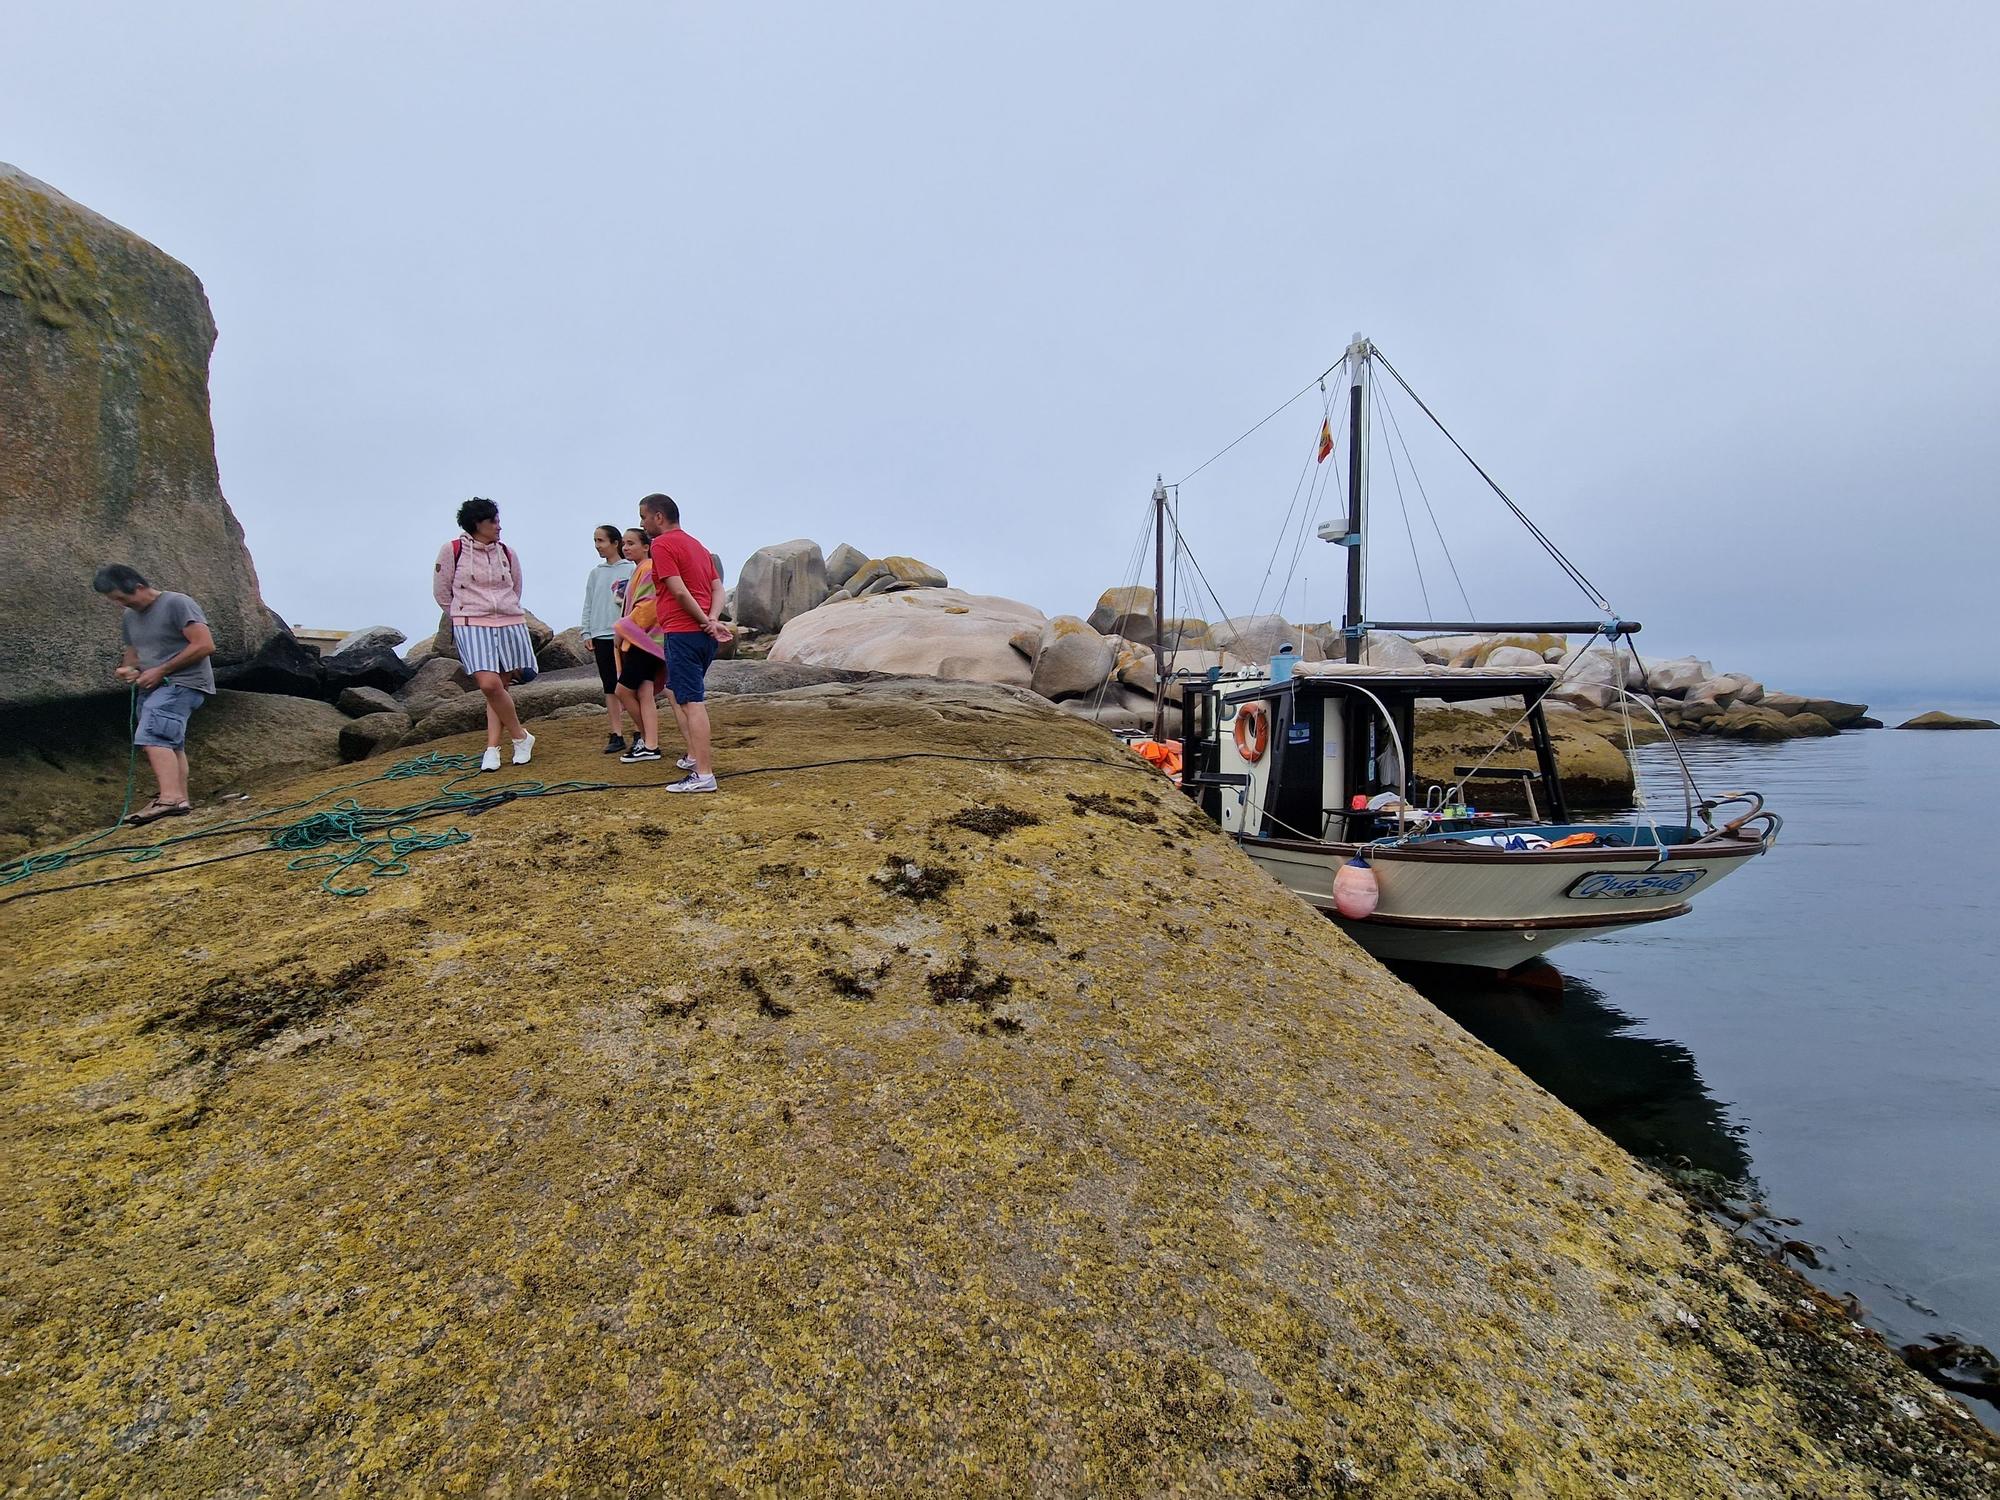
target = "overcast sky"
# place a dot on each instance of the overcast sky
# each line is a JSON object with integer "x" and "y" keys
{"x": 1713, "y": 290}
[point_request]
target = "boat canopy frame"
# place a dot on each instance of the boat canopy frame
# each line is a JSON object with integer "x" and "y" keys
{"x": 1296, "y": 800}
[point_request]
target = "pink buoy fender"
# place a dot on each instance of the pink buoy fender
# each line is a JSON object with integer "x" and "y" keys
{"x": 1355, "y": 891}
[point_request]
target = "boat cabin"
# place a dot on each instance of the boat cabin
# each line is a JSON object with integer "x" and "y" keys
{"x": 1322, "y": 751}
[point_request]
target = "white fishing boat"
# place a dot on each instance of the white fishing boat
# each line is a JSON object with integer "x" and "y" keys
{"x": 1308, "y": 766}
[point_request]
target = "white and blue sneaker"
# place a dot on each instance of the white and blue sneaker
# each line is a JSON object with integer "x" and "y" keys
{"x": 693, "y": 783}
{"x": 685, "y": 763}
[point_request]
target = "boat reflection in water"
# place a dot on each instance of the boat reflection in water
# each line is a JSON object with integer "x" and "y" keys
{"x": 1643, "y": 1092}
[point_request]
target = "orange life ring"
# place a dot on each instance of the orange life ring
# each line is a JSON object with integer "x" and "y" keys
{"x": 1253, "y": 731}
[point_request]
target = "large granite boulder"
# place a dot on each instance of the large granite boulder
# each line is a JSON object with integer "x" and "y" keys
{"x": 779, "y": 583}
{"x": 364, "y": 666}
{"x": 888, "y": 575}
{"x": 1074, "y": 659}
{"x": 369, "y": 635}
{"x": 568, "y": 649}
{"x": 1390, "y": 651}
{"x": 1539, "y": 644}
{"x": 1840, "y": 715}
{"x": 359, "y": 702}
{"x": 1254, "y": 637}
{"x": 1186, "y": 631}
{"x": 1938, "y": 719}
{"x": 106, "y": 453}
{"x": 1122, "y": 708}
{"x": 437, "y": 680}
{"x": 372, "y": 733}
{"x": 283, "y": 664}
{"x": 1726, "y": 690}
{"x": 1515, "y": 659}
{"x": 534, "y": 700}
{"x": 1126, "y": 612}
{"x": 1444, "y": 650}
{"x": 842, "y": 563}
{"x": 939, "y": 632}
{"x": 1674, "y": 678}
{"x": 1607, "y": 666}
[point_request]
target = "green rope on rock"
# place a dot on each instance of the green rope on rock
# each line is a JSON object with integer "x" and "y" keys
{"x": 26, "y": 866}
{"x": 352, "y": 844}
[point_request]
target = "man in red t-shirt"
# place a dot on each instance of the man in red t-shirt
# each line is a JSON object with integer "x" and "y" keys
{"x": 690, "y": 594}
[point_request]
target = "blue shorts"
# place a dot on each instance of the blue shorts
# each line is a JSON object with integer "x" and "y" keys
{"x": 163, "y": 715}
{"x": 688, "y": 654}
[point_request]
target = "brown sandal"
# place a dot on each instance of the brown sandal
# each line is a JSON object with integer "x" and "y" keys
{"x": 152, "y": 812}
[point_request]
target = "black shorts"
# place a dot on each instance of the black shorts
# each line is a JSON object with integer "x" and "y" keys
{"x": 641, "y": 669}
{"x": 606, "y": 652}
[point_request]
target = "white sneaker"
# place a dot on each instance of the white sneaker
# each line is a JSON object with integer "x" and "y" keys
{"x": 693, "y": 783}
{"x": 685, "y": 763}
{"x": 524, "y": 750}
{"x": 490, "y": 761}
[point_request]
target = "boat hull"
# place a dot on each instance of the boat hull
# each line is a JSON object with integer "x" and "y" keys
{"x": 1491, "y": 909}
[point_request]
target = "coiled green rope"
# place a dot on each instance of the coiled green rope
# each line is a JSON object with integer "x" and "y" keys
{"x": 352, "y": 844}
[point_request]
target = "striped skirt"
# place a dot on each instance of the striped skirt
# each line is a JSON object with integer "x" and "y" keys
{"x": 494, "y": 648}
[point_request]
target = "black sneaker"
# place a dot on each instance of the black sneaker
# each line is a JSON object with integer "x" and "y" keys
{"x": 638, "y": 753}
{"x": 614, "y": 744}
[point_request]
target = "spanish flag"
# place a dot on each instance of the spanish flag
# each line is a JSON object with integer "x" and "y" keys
{"x": 1325, "y": 439}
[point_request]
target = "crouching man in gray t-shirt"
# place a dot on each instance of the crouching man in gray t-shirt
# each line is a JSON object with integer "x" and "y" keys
{"x": 167, "y": 650}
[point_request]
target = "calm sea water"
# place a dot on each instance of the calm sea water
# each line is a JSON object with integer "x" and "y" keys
{"x": 1825, "y": 1024}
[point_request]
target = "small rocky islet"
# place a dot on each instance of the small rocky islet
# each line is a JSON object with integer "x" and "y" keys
{"x": 971, "y": 1116}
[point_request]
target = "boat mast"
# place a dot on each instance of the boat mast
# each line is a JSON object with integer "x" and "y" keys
{"x": 1159, "y": 597}
{"x": 1358, "y": 354}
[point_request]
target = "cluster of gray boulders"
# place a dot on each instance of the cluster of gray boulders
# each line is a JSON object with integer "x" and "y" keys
{"x": 781, "y": 582}
{"x": 1692, "y": 698}
{"x": 1104, "y": 665}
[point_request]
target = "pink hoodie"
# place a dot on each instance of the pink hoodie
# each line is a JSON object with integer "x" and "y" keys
{"x": 481, "y": 586}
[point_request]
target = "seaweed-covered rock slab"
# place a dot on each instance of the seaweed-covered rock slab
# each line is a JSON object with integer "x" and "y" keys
{"x": 966, "y": 1116}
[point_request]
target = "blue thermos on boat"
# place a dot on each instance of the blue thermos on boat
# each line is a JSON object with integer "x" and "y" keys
{"x": 1282, "y": 663}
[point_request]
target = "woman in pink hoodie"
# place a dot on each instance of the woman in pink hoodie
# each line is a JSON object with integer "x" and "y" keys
{"x": 477, "y": 582}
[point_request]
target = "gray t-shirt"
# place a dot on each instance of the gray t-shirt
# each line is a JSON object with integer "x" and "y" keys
{"x": 159, "y": 633}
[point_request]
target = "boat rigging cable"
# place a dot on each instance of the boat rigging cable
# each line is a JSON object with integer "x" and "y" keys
{"x": 1316, "y": 380}
{"x": 1375, "y": 401}
{"x": 1388, "y": 408}
{"x": 1307, "y": 470}
{"x": 1576, "y": 574}
{"x": 1330, "y": 469}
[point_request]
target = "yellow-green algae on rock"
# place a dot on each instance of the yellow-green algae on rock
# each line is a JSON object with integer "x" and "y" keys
{"x": 975, "y": 1126}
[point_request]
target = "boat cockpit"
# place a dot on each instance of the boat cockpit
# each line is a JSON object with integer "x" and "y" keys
{"x": 1323, "y": 751}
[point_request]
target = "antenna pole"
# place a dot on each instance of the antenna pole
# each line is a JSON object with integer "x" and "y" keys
{"x": 1159, "y": 605}
{"x": 1358, "y": 354}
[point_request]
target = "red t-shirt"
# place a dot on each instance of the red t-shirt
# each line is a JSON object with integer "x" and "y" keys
{"x": 677, "y": 553}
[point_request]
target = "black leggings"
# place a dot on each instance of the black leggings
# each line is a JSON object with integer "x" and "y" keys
{"x": 606, "y": 652}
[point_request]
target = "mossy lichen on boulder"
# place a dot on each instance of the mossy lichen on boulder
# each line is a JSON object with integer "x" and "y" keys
{"x": 964, "y": 1116}
{"x": 106, "y": 453}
